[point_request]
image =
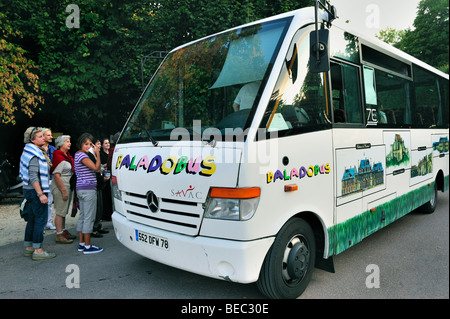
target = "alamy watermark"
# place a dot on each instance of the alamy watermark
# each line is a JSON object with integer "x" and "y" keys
{"x": 73, "y": 19}
{"x": 264, "y": 153}
{"x": 73, "y": 279}
{"x": 373, "y": 279}
{"x": 373, "y": 16}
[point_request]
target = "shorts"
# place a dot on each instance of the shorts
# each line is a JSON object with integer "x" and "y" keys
{"x": 61, "y": 206}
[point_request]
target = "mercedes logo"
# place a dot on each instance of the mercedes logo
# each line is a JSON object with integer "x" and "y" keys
{"x": 152, "y": 202}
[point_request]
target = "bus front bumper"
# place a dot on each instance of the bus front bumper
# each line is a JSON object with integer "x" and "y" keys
{"x": 231, "y": 260}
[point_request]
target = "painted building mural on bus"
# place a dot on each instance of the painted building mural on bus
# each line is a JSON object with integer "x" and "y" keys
{"x": 360, "y": 172}
{"x": 398, "y": 150}
{"x": 440, "y": 144}
{"x": 423, "y": 166}
{"x": 362, "y": 177}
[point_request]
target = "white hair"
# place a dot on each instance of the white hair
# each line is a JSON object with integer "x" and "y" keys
{"x": 60, "y": 140}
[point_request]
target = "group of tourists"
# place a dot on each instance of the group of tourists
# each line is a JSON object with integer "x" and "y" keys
{"x": 52, "y": 177}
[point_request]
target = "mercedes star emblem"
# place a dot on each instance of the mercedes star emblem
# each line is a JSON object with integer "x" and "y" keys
{"x": 152, "y": 202}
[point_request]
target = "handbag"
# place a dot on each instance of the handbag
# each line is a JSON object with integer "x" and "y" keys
{"x": 75, "y": 204}
{"x": 25, "y": 209}
{"x": 73, "y": 181}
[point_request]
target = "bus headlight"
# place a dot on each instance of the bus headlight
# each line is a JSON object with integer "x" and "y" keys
{"x": 115, "y": 192}
{"x": 232, "y": 203}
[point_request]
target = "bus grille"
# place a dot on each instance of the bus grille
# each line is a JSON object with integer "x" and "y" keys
{"x": 173, "y": 215}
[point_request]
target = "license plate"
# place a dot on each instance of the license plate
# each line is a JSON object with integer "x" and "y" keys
{"x": 152, "y": 240}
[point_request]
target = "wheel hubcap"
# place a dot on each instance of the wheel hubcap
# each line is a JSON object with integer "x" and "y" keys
{"x": 296, "y": 260}
{"x": 433, "y": 199}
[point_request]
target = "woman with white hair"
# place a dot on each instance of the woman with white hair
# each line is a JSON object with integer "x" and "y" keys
{"x": 34, "y": 171}
{"x": 62, "y": 170}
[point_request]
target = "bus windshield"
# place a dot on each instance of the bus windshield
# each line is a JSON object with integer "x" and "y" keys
{"x": 212, "y": 83}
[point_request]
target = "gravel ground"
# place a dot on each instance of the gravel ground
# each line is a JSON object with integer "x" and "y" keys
{"x": 12, "y": 227}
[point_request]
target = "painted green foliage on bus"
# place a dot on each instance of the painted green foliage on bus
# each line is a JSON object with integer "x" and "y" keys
{"x": 354, "y": 230}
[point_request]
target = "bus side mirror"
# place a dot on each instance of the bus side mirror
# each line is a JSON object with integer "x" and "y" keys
{"x": 319, "y": 60}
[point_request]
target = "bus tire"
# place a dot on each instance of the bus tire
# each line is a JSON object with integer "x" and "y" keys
{"x": 288, "y": 265}
{"x": 430, "y": 206}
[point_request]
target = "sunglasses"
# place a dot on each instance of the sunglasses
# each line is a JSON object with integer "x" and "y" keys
{"x": 32, "y": 131}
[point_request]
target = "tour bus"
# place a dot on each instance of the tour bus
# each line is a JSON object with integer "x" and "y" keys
{"x": 258, "y": 153}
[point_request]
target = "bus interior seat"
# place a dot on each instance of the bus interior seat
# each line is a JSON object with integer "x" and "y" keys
{"x": 339, "y": 116}
{"x": 399, "y": 116}
{"x": 295, "y": 115}
{"x": 390, "y": 115}
{"x": 419, "y": 118}
{"x": 427, "y": 113}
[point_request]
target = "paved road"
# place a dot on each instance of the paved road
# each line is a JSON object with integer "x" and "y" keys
{"x": 411, "y": 257}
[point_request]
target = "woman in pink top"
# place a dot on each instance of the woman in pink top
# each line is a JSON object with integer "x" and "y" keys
{"x": 86, "y": 189}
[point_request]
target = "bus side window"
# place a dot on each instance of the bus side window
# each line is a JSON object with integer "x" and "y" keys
{"x": 428, "y": 111}
{"x": 346, "y": 93}
{"x": 443, "y": 86}
{"x": 394, "y": 95}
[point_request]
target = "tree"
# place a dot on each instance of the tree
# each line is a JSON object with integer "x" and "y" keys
{"x": 391, "y": 36}
{"x": 19, "y": 89}
{"x": 429, "y": 40}
{"x": 91, "y": 75}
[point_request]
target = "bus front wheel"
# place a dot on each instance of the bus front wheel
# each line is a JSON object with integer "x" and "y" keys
{"x": 288, "y": 266}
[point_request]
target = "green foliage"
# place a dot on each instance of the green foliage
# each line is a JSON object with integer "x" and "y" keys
{"x": 354, "y": 230}
{"x": 19, "y": 89}
{"x": 429, "y": 40}
{"x": 91, "y": 76}
{"x": 390, "y": 35}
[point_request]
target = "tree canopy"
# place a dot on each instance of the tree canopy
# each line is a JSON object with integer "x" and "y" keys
{"x": 90, "y": 76}
{"x": 18, "y": 81}
{"x": 429, "y": 40}
{"x": 87, "y": 76}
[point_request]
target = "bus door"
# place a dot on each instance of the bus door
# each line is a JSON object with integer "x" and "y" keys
{"x": 358, "y": 158}
{"x": 298, "y": 115}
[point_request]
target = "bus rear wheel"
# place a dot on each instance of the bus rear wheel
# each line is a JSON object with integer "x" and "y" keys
{"x": 430, "y": 206}
{"x": 288, "y": 266}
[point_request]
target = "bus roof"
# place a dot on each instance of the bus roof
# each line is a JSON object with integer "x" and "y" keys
{"x": 306, "y": 15}
{"x": 382, "y": 46}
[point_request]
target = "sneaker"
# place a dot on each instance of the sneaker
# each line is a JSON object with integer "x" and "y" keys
{"x": 62, "y": 239}
{"x": 28, "y": 253}
{"x": 50, "y": 226}
{"x": 92, "y": 250}
{"x": 44, "y": 255}
{"x": 80, "y": 247}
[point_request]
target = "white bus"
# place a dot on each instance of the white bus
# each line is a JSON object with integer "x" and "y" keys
{"x": 251, "y": 156}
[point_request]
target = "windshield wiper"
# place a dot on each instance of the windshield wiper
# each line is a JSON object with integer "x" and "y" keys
{"x": 151, "y": 138}
{"x": 149, "y": 135}
{"x": 211, "y": 142}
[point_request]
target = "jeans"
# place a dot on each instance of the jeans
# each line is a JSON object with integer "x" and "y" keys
{"x": 98, "y": 215}
{"x": 34, "y": 231}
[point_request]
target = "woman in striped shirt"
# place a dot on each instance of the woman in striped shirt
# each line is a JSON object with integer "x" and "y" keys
{"x": 86, "y": 189}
